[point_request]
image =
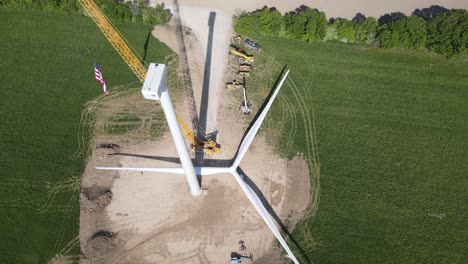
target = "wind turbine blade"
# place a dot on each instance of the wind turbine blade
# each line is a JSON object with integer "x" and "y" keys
{"x": 263, "y": 213}
{"x": 247, "y": 141}
{"x": 164, "y": 170}
{"x": 211, "y": 170}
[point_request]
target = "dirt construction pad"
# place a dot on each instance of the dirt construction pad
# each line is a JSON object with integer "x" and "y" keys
{"x": 135, "y": 217}
{"x": 153, "y": 219}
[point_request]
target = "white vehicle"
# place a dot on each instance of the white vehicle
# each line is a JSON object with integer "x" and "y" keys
{"x": 245, "y": 106}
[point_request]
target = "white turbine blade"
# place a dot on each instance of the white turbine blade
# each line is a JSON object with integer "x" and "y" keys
{"x": 263, "y": 213}
{"x": 164, "y": 170}
{"x": 211, "y": 170}
{"x": 198, "y": 170}
{"x": 256, "y": 126}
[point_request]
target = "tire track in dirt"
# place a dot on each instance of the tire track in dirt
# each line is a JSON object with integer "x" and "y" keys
{"x": 64, "y": 224}
{"x": 125, "y": 251}
{"x": 302, "y": 102}
{"x": 292, "y": 119}
{"x": 48, "y": 190}
{"x": 310, "y": 145}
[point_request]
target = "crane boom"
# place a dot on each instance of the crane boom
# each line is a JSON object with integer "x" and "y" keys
{"x": 138, "y": 68}
{"x": 185, "y": 68}
{"x": 115, "y": 39}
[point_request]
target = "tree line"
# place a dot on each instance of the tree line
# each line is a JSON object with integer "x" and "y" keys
{"x": 435, "y": 28}
{"x": 117, "y": 10}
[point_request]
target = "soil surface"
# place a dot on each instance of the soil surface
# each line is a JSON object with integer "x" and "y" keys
{"x": 134, "y": 217}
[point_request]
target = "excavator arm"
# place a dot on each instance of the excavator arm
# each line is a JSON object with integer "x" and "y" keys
{"x": 243, "y": 55}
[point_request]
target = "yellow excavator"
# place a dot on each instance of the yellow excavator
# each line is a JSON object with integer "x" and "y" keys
{"x": 139, "y": 69}
{"x": 242, "y": 54}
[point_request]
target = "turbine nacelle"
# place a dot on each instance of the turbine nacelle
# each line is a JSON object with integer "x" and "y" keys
{"x": 155, "y": 82}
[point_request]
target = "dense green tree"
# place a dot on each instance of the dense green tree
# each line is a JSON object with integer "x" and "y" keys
{"x": 366, "y": 30}
{"x": 358, "y": 18}
{"x": 345, "y": 30}
{"x": 429, "y": 12}
{"x": 306, "y": 23}
{"x": 116, "y": 10}
{"x": 246, "y": 23}
{"x": 406, "y": 32}
{"x": 331, "y": 33}
{"x": 266, "y": 21}
{"x": 321, "y": 26}
{"x": 448, "y": 33}
{"x": 391, "y": 17}
{"x": 295, "y": 24}
{"x": 270, "y": 21}
{"x": 155, "y": 16}
{"x": 388, "y": 38}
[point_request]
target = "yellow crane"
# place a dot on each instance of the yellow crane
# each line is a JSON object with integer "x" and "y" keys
{"x": 139, "y": 69}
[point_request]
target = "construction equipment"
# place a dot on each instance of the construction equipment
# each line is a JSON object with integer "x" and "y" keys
{"x": 208, "y": 145}
{"x": 244, "y": 61}
{"x": 234, "y": 85}
{"x": 138, "y": 68}
{"x": 245, "y": 67}
{"x": 245, "y": 108}
{"x": 243, "y": 73}
{"x": 237, "y": 38}
{"x": 184, "y": 65}
{"x": 242, "y": 254}
{"x": 252, "y": 45}
{"x": 242, "y": 54}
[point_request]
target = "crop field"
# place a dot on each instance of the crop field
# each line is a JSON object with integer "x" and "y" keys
{"x": 385, "y": 136}
{"x": 46, "y": 77}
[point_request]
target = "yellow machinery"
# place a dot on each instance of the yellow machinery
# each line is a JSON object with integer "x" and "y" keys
{"x": 208, "y": 145}
{"x": 245, "y": 67}
{"x": 243, "y": 73}
{"x": 234, "y": 85}
{"x": 243, "y": 55}
{"x": 139, "y": 69}
{"x": 237, "y": 38}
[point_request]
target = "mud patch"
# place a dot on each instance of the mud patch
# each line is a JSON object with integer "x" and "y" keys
{"x": 95, "y": 198}
{"x": 101, "y": 247}
{"x": 103, "y": 241}
{"x": 108, "y": 146}
{"x": 276, "y": 193}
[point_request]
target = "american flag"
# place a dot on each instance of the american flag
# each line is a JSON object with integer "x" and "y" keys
{"x": 99, "y": 78}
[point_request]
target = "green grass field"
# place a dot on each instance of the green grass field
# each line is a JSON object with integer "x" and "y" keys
{"x": 46, "y": 77}
{"x": 388, "y": 129}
